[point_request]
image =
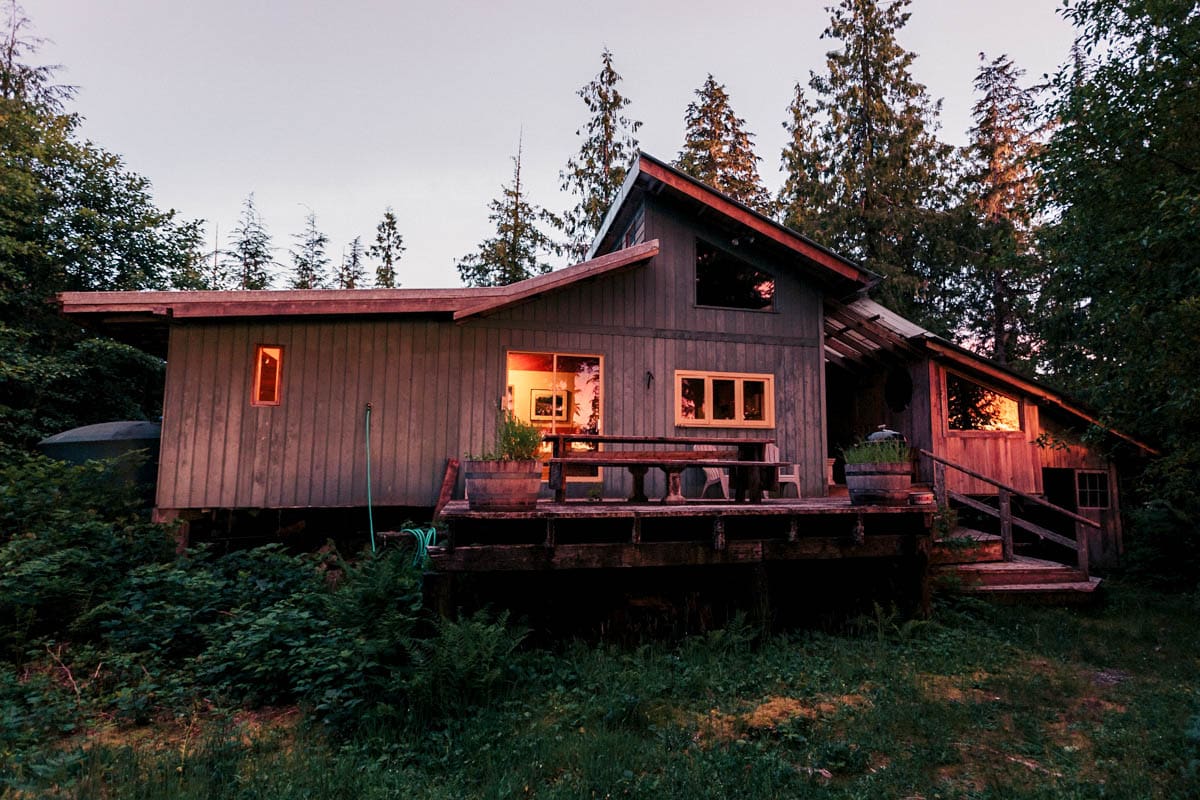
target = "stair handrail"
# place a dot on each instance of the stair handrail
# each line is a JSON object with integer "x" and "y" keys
{"x": 1007, "y": 519}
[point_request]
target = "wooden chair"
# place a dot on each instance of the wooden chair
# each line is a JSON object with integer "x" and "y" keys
{"x": 713, "y": 476}
{"x": 787, "y": 475}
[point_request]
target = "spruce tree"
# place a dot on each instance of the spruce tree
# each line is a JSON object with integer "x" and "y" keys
{"x": 804, "y": 197}
{"x": 388, "y": 247}
{"x": 596, "y": 172}
{"x": 718, "y": 150}
{"x": 248, "y": 258}
{"x": 351, "y": 272}
{"x": 309, "y": 261}
{"x": 883, "y": 164}
{"x": 520, "y": 248}
{"x": 1002, "y": 274}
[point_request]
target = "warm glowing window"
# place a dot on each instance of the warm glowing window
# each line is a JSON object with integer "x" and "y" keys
{"x": 560, "y": 393}
{"x": 728, "y": 282}
{"x": 973, "y": 407}
{"x": 724, "y": 400}
{"x": 268, "y": 375}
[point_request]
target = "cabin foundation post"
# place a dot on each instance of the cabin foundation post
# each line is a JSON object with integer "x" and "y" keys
{"x": 760, "y": 596}
{"x": 636, "y": 535}
{"x": 439, "y": 588}
{"x": 550, "y": 535}
{"x": 718, "y": 536}
{"x": 172, "y": 516}
{"x": 858, "y": 534}
{"x": 793, "y": 530}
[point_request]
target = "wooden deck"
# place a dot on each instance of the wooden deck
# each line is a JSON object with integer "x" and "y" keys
{"x": 616, "y": 534}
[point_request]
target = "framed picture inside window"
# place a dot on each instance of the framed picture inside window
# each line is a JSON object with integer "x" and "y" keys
{"x": 549, "y": 404}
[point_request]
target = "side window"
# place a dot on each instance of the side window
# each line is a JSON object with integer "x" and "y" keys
{"x": 268, "y": 375}
{"x": 1092, "y": 489}
{"x": 724, "y": 400}
{"x": 724, "y": 281}
{"x": 973, "y": 407}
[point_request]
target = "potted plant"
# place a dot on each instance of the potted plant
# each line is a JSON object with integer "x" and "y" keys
{"x": 878, "y": 471}
{"x": 510, "y": 476}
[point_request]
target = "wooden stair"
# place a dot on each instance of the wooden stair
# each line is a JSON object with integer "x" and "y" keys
{"x": 970, "y": 562}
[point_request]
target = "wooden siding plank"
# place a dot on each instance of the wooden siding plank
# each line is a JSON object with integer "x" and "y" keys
{"x": 167, "y": 494}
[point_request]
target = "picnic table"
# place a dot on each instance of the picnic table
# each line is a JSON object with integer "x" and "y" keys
{"x": 749, "y": 472}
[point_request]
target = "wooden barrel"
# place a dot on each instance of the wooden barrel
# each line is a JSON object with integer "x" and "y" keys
{"x": 878, "y": 483}
{"x": 502, "y": 485}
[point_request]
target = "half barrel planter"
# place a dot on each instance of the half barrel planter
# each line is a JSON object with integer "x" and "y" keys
{"x": 879, "y": 483}
{"x": 502, "y": 485}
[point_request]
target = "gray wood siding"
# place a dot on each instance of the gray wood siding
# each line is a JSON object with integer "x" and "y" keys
{"x": 435, "y": 386}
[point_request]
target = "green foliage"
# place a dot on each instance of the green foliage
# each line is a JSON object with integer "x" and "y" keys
{"x": 516, "y": 439}
{"x": 310, "y": 263}
{"x": 878, "y": 451}
{"x": 463, "y": 664}
{"x": 718, "y": 150}
{"x": 388, "y": 247}
{"x": 248, "y": 258}
{"x": 519, "y": 249}
{"x": 596, "y": 172}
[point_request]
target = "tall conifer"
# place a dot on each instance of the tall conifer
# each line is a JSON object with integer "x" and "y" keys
{"x": 596, "y": 172}
{"x": 883, "y": 164}
{"x": 351, "y": 272}
{"x": 718, "y": 150}
{"x": 248, "y": 258}
{"x": 309, "y": 261}
{"x": 520, "y": 248}
{"x": 388, "y": 247}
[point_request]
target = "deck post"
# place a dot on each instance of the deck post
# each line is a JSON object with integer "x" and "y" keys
{"x": 939, "y": 484}
{"x": 1006, "y": 526}
{"x": 550, "y": 538}
{"x": 1081, "y": 548}
{"x": 718, "y": 534}
{"x": 793, "y": 529}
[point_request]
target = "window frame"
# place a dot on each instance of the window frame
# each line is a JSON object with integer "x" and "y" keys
{"x": 945, "y": 413}
{"x": 1081, "y": 492}
{"x": 773, "y": 308}
{"x": 256, "y": 376}
{"x": 740, "y": 378}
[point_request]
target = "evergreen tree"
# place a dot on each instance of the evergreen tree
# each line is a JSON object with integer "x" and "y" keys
{"x": 596, "y": 172}
{"x": 519, "y": 249}
{"x": 718, "y": 150}
{"x": 388, "y": 247}
{"x": 351, "y": 271}
{"x": 309, "y": 261}
{"x": 248, "y": 258}
{"x": 1002, "y": 274}
{"x": 1120, "y": 311}
{"x": 882, "y": 164}
{"x": 203, "y": 270}
{"x": 804, "y": 196}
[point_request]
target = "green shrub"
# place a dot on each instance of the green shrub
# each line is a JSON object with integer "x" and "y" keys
{"x": 879, "y": 451}
{"x": 516, "y": 439}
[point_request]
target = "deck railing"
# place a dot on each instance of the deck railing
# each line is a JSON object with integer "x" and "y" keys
{"x": 1004, "y": 513}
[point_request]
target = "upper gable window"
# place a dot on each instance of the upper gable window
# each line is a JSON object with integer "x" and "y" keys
{"x": 973, "y": 407}
{"x": 268, "y": 375}
{"x": 728, "y": 282}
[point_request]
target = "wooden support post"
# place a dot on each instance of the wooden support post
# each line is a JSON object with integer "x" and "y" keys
{"x": 550, "y": 537}
{"x": 1082, "y": 535}
{"x": 439, "y": 593}
{"x": 859, "y": 534}
{"x": 793, "y": 529}
{"x": 638, "y": 474}
{"x": 718, "y": 534}
{"x": 558, "y": 481}
{"x": 1006, "y": 525}
{"x": 760, "y": 596}
{"x": 939, "y": 484}
{"x": 636, "y": 537}
{"x": 170, "y": 516}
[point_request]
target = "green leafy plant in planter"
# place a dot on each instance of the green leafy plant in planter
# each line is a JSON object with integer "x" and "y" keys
{"x": 508, "y": 477}
{"x": 878, "y": 471}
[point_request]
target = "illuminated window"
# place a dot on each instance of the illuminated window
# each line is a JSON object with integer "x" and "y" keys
{"x": 1092, "y": 489}
{"x": 724, "y": 400}
{"x": 728, "y": 282}
{"x": 972, "y": 407}
{"x": 268, "y": 375}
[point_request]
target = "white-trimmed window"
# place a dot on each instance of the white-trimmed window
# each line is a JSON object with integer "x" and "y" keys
{"x": 268, "y": 375}
{"x": 724, "y": 399}
{"x": 1092, "y": 489}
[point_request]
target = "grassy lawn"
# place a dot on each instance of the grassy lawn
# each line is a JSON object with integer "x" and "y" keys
{"x": 980, "y": 702}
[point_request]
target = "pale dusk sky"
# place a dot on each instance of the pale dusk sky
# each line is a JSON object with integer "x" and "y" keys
{"x": 347, "y": 107}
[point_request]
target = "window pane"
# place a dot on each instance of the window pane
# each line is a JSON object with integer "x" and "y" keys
{"x": 1093, "y": 490}
{"x": 728, "y": 282}
{"x": 267, "y": 375}
{"x": 753, "y": 400}
{"x": 691, "y": 395}
{"x": 724, "y": 399}
{"x": 972, "y": 407}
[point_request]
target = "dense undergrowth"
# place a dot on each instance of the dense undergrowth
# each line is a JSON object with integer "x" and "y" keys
{"x": 132, "y": 672}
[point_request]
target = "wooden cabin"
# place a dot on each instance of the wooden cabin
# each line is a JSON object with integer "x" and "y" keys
{"x": 692, "y": 315}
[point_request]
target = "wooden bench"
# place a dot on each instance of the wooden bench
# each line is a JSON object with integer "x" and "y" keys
{"x": 749, "y": 473}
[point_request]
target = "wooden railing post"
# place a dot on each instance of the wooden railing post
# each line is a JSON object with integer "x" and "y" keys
{"x": 939, "y": 484}
{"x": 1006, "y": 526}
{"x": 1081, "y": 548}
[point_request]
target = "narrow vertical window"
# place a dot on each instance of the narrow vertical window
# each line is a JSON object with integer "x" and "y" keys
{"x": 268, "y": 375}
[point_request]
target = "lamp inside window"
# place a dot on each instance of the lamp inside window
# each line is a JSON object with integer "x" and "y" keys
{"x": 268, "y": 375}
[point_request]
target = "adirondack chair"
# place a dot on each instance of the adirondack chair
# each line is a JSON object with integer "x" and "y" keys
{"x": 787, "y": 475}
{"x": 714, "y": 476}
